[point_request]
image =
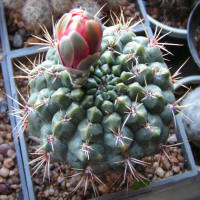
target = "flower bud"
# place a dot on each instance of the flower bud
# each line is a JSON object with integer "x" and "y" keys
{"x": 78, "y": 36}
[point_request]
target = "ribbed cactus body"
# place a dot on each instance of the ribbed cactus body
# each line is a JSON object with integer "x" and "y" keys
{"x": 121, "y": 111}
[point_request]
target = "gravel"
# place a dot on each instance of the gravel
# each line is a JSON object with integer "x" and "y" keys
{"x": 9, "y": 175}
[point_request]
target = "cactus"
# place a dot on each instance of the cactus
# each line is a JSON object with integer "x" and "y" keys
{"x": 191, "y": 115}
{"x": 36, "y": 12}
{"x": 89, "y": 5}
{"x": 61, "y": 6}
{"x": 98, "y": 108}
{"x": 13, "y": 4}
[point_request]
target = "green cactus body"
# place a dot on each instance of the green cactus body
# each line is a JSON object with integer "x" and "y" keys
{"x": 37, "y": 12}
{"x": 121, "y": 111}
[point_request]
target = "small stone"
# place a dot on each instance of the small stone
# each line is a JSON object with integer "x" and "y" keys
{"x": 180, "y": 158}
{"x": 157, "y": 157}
{"x": 20, "y": 24}
{"x": 160, "y": 172}
{"x": 46, "y": 193}
{"x": 173, "y": 159}
{"x": 4, "y": 172}
{"x": 176, "y": 169}
{"x": 78, "y": 198}
{"x": 4, "y": 197}
{"x": 172, "y": 139}
{"x": 168, "y": 174}
{"x": 103, "y": 188}
{"x": 1, "y": 158}
{"x": 149, "y": 176}
{"x": 17, "y": 41}
{"x": 14, "y": 186}
{"x": 12, "y": 173}
{"x": 4, "y": 189}
{"x": 51, "y": 191}
{"x": 14, "y": 180}
{"x": 155, "y": 165}
{"x": 1, "y": 139}
{"x": 60, "y": 179}
{"x": 148, "y": 170}
{"x": 8, "y": 163}
{"x": 4, "y": 148}
{"x": 166, "y": 164}
{"x": 11, "y": 153}
{"x": 2, "y": 180}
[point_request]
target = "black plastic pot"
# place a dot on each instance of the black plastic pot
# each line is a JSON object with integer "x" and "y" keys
{"x": 22, "y": 156}
{"x": 174, "y": 32}
{"x": 193, "y": 23}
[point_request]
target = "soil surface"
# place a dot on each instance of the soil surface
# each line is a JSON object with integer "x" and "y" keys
{"x": 10, "y": 187}
{"x": 169, "y": 12}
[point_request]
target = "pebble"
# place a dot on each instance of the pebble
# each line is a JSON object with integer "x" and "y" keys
{"x": 173, "y": 159}
{"x": 180, "y": 158}
{"x": 4, "y": 197}
{"x": 46, "y": 193}
{"x": 1, "y": 158}
{"x": 160, "y": 172}
{"x": 11, "y": 153}
{"x": 168, "y": 174}
{"x": 176, "y": 169}
{"x": 2, "y": 180}
{"x": 157, "y": 157}
{"x": 1, "y": 139}
{"x": 4, "y": 189}
{"x": 166, "y": 163}
{"x": 8, "y": 163}
{"x": 4, "y": 172}
{"x": 14, "y": 186}
{"x": 17, "y": 41}
{"x": 51, "y": 191}
{"x": 60, "y": 179}
{"x": 4, "y": 148}
{"x": 155, "y": 165}
{"x": 103, "y": 188}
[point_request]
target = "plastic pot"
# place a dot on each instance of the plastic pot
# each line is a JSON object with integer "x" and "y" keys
{"x": 193, "y": 23}
{"x": 174, "y": 32}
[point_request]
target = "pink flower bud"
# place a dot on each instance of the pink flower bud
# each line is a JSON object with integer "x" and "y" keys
{"x": 78, "y": 37}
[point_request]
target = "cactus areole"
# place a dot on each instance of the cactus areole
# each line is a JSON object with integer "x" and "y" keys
{"x": 122, "y": 111}
{"x": 78, "y": 37}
